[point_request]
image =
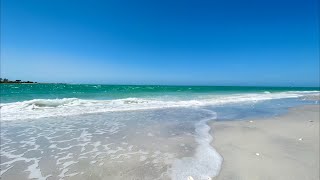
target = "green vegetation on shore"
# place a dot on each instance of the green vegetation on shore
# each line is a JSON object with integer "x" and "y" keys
{"x": 7, "y": 81}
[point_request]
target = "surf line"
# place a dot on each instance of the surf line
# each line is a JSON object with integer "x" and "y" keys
{"x": 206, "y": 162}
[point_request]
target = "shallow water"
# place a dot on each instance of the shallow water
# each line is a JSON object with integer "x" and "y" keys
{"x": 146, "y": 144}
{"x": 135, "y": 145}
{"x": 157, "y": 138}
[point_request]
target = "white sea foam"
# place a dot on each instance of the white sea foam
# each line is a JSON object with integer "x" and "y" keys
{"x": 39, "y": 108}
{"x": 206, "y": 162}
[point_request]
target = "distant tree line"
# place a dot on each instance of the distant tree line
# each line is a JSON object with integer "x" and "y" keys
{"x": 5, "y": 80}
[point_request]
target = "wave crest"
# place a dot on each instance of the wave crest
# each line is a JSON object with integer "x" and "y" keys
{"x": 50, "y": 102}
{"x": 39, "y": 108}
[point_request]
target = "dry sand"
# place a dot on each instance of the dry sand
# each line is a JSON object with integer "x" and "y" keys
{"x": 279, "y": 148}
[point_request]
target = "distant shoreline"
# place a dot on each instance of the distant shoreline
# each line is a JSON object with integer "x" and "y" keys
{"x": 18, "y": 81}
{"x": 29, "y": 83}
{"x": 21, "y": 83}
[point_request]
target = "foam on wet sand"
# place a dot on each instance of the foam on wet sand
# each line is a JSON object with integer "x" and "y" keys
{"x": 96, "y": 146}
{"x": 149, "y": 139}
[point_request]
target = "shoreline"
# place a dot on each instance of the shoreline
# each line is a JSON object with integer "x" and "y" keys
{"x": 281, "y": 147}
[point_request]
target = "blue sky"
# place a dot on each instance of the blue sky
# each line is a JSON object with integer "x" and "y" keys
{"x": 214, "y": 42}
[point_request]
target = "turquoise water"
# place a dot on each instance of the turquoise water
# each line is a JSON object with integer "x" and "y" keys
{"x": 32, "y": 101}
{"x": 64, "y": 131}
{"x": 22, "y": 92}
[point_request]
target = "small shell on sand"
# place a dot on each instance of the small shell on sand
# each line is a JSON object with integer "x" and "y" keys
{"x": 206, "y": 178}
{"x": 190, "y": 178}
{"x": 300, "y": 139}
{"x": 257, "y": 154}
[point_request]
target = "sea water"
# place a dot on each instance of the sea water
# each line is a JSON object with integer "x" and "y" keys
{"x": 62, "y": 131}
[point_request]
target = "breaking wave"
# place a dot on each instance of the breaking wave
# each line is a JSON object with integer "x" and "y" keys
{"x": 39, "y": 108}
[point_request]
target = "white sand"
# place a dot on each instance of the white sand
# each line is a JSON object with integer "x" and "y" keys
{"x": 279, "y": 148}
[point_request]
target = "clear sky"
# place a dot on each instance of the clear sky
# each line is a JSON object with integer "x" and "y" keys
{"x": 182, "y": 42}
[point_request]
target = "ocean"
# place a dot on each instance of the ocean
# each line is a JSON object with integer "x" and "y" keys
{"x": 74, "y": 131}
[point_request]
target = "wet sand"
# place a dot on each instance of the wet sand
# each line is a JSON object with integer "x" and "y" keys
{"x": 114, "y": 145}
{"x": 279, "y": 148}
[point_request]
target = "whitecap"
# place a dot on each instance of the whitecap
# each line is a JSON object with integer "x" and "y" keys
{"x": 39, "y": 108}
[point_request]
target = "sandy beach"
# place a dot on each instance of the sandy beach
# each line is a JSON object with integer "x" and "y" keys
{"x": 284, "y": 147}
{"x": 157, "y": 133}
